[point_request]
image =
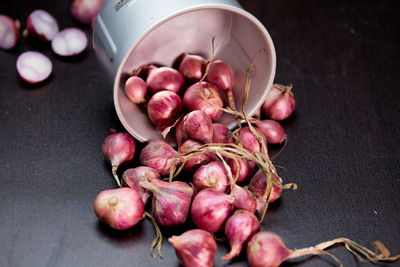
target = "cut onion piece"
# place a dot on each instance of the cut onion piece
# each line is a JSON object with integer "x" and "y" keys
{"x": 34, "y": 67}
{"x": 41, "y": 25}
{"x": 8, "y": 32}
{"x": 69, "y": 42}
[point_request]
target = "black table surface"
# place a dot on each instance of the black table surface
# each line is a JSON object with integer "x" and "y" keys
{"x": 343, "y": 141}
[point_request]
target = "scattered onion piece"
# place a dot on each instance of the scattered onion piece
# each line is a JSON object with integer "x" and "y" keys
{"x": 69, "y": 42}
{"x": 34, "y": 67}
{"x": 8, "y": 32}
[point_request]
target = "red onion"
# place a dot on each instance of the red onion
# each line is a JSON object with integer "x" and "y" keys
{"x": 244, "y": 199}
{"x": 118, "y": 148}
{"x": 136, "y": 89}
{"x": 41, "y": 25}
{"x": 198, "y": 97}
{"x": 195, "y": 161}
{"x": 272, "y": 131}
{"x": 180, "y": 134}
{"x": 257, "y": 114}
{"x": 165, "y": 78}
{"x": 85, "y": 11}
{"x": 239, "y": 228}
{"x": 34, "y": 67}
{"x": 133, "y": 176}
{"x": 192, "y": 67}
{"x": 171, "y": 201}
{"x": 280, "y": 102}
{"x": 211, "y": 175}
{"x": 164, "y": 109}
{"x": 198, "y": 126}
{"x": 195, "y": 248}
{"x": 69, "y": 42}
{"x": 120, "y": 208}
{"x": 158, "y": 155}
{"x": 248, "y": 140}
{"x": 221, "y": 134}
{"x": 246, "y": 169}
{"x": 9, "y": 32}
{"x": 266, "y": 249}
{"x": 258, "y": 185}
{"x": 210, "y": 209}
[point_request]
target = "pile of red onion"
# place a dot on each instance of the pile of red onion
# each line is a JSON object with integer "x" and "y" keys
{"x": 219, "y": 180}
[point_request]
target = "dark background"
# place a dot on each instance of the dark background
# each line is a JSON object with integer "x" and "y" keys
{"x": 343, "y": 141}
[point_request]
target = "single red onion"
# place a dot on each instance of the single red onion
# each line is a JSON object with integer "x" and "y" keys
{"x": 245, "y": 168}
{"x": 9, "y": 32}
{"x": 158, "y": 155}
{"x": 41, "y": 25}
{"x": 180, "y": 134}
{"x": 272, "y": 131}
{"x": 118, "y": 148}
{"x": 210, "y": 209}
{"x": 195, "y": 248}
{"x": 120, "y": 208}
{"x": 192, "y": 67}
{"x": 69, "y": 42}
{"x": 221, "y": 134}
{"x": 164, "y": 78}
{"x": 133, "y": 176}
{"x": 211, "y": 175}
{"x": 171, "y": 201}
{"x": 258, "y": 185}
{"x": 239, "y": 229}
{"x": 248, "y": 140}
{"x": 244, "y": 199}
{"x": 257, "y": 114}
{"x": 280, "y": 102}
{"x": 164, "y": 109}
{"x": 197, "y": 160}
{"x": 136, "y": 89}
{"x": 206, "y": 98}
{"x": 34, "y": 67}
{"x": 198, "y": 126}
{"x": 85, "y": 11}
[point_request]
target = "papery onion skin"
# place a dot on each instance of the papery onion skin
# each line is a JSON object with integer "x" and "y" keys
{"x": 164, "y": 78}
{"x": 258, "y": 185}
{"x": 246, "y": 169}
{"x": 212, "y": 175}
{"x": 158, "y": 155}
{"x": 272, "y": 131}
{"x": 244, "y": 199}
{"x": 221, "y": 134}
{"x": 239, "y": 228}
{"x": 195, "y": 248}
{"x": 280, "y": 102}
{"x": 198, "y": 126}
{"x": 221, "y": 74}
{"x": 136, "y": 89}
{"x": 197, "y": 160}
{"x": 192, "y": 67}
{"x": 198, "y": 97}
{"x": 164, "y": 109}
{"x": 248, "y": 140}
{"x": 266, "y": 249}
{"x": 120, "y": 208}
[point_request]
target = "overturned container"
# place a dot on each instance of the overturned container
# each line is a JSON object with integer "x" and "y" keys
{"x": 132, "y": 33}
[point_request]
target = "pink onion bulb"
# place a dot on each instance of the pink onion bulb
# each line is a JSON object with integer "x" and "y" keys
{"x": 192, "y": 67}
{"x": 85, "y": 11}
{"x": 211, "y": 175}
{"x": 34, "y": 67}
{"x": 221, "y": 134}
{"x": 171, "y": 201}
{"x": 272, "y": 131}
{"x": 136, "y": 89}
{"x": 164, "y": 109}
{"x": 195, "y": 248}
{"x": 266, "y": 249}
{"x": 133, "y": 176}
{"x": 245, "y": 169}
{"x": 258, "y": 185}
{"x": 69, "y": 42}
{"x": 199, "y": 97}
{"x": 180, "y": 134}
{"x": 120, "y": 208}
{"x": 118, "y": 148}
{"x": 164, "y": 78}
{"x": 195, "y": 161}
{"x": 41, "y": 25}
{"x": 280, "y": 102}
{"x": 248, "y": 140}
{"x": 210, "y": 209}
{"x": 158, "y": 155}
{"x": 198, "y": 126}
{"x": 9, "y": 32}
{"x": 244, "y": 199}
{"x": 239, "y": 228}
{"x": 221, "y": 74}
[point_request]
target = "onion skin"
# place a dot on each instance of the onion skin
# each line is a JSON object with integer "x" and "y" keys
{"x": 120, "y": 208}
{"x": 266, "y": 249}
{"x": 136, "y": 89}
{"x": 85, "y": 11}
{"x": 171, "y": 201}
{"x": 164, "y": 78}
{"x": 195, "y": 248}
{"x": 221, "y": 134}
{"x": 258, "y": 185}
{"x": 246, "y": 169}
{"x": 244, "y": 199}
{"x": 192, "y": 67}
{"x": 272, "y": 131}
{"x": 164, "y": 109}
{"x": 180, "y": 134}
{"x": 133, "y": 176}
{"x": 10, "y": 32}
{"x": 198, "y": 98}
{"x": 248, "y": 140}
{"x": 195, "y": 161}
{"x": 280, "y": 102}
{"x": 158, "y": 155}
{"x": 239, "y": 228}
{"x": 211, "y": 175}
{"x": 210, "y": 209}
{"x": 198, "y": 126}
{"x": 221, "y": 74}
